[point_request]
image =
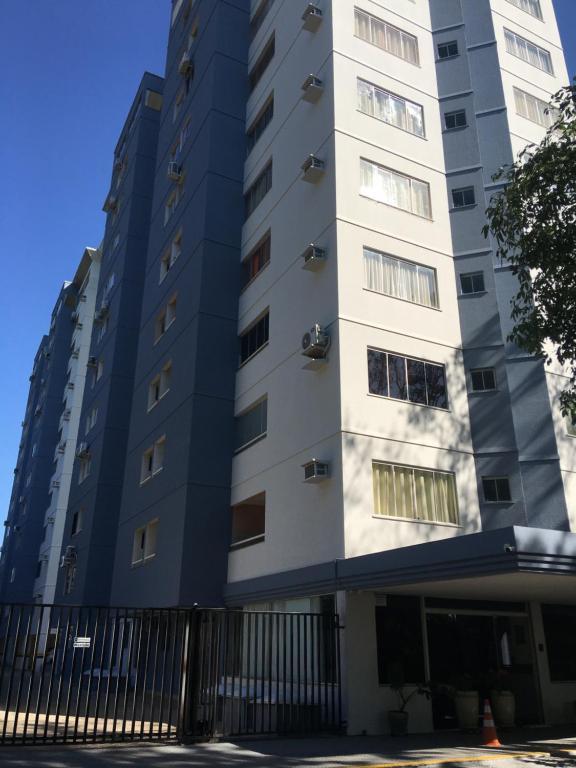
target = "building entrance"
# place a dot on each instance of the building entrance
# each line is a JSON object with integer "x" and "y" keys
{"x": 478, "y": 649}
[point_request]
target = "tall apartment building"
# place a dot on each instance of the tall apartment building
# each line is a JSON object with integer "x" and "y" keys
{"x": 326, "y": 411}
{"x": 94, "y": 502}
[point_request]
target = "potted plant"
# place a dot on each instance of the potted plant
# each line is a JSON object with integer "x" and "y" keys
{"x": 467, "y": 703}
{"x": 398, "y": 718}
{"x": 503, "y": 700}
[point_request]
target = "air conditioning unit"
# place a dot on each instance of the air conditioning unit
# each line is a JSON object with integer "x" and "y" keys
{"x": 50, "y": 520}
{"x": 82, "y": 450}
{"x": 312, "y": 17}
{"x": 92, "y": 362}
{"x": 69, "y": 557}
{"x": 313, "y": 169}
{"x": 174, "y": 171}
{"x": 314, "y": 257}
{"x": 75, "y": 352}
{"x": 186, "y": 66}
{"x": 70, "y": 385}
{"x": 312, "y": 89}
{"x": 55, "y": 484}
{"x": 66, "y": 415}
{"x": 315, "y": 471}
{"x": 315, "y": 343}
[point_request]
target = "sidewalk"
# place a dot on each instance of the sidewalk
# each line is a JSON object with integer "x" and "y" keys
{"x": 538, "y": 747}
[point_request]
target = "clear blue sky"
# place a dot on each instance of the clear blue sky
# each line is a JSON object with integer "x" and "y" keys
{"x": 69, "y": 70}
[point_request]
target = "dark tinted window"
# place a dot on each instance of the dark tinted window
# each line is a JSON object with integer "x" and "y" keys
{"x": 261, "y": 65}
{"x": 254, "y": 338}
{"x": 447, "y": 50}
{"x": 473, "y": 282}
{"x": 405, "y": 378}
{"x": 258, "y": 191}
{"x": 454, "y": 120}
{"x": 560, "y": 632}
{"x": 399, "y": 641}
{"x": 496, "y": 489}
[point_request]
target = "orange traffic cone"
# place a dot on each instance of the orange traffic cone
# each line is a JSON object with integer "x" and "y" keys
{"x": 489, "y": 735}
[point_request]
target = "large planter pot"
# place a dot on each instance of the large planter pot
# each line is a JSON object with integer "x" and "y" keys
{"x": 398, "y": 722}
{"x": 467, "y": 709}
{"x": 504, "y": 706}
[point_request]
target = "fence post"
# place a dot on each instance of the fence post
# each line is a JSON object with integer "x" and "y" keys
{"x": 189, "y": 681}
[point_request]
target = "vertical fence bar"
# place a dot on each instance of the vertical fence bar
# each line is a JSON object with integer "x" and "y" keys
{"x": 224, "y": 666}
{"x": 135, "y": 692}
{"x": 94, "y": 631}
{"x": 11, "y": 678}
{"x": 180, "y": 716}
{"x": 57, "y": 641}
{"x": 32, "y": 671}
{"x": 110, "y": 658}
{"x": 71, "y": 676}
{"x": 103, "y": 653}
{"x": 157, "y": 626}
{"x": 337, "y": 674}
{"x": 43, "y": 621}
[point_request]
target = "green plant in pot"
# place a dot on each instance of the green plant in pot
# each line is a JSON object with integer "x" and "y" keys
{"x": 398, "y": 718}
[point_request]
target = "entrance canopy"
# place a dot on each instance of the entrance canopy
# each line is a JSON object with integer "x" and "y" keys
{"x": 514, "y": 563}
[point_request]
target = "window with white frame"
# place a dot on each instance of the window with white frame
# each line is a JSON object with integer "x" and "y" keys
{"x": 396, "y": 189}
{"x": 455, "y": 120}
{"x": 84, "y": 468}
{"x": 160, "y": 385}
{"x": 412, "y": 493}
{"x": 533, "y": 108}
{"x": 178, "y": 145}
{"x": 145, "y": 542}
{"x": 447, "y": 50}
{"x": 400, "y": 279}
{"x": 153, "y": 460}
{"x": 472, "y": 282}
{"x": 386, "y": 36}
{"x": 407, "y": 378}
{"x": 102, "y": 328}
{"x": 530, "y": 52}
{"x": 464, "y": 197}
{"x": 91, "y": 419}
{"x": 99, "y": 370}
{"x": 170, "y": 255}
{"x": 570, "y": 421}
{"x": 529, "y": 6}
{"x": 496, "y": 489}
{"x": 390, "y": 108}
{"x": 165, "y": 318}
{"x": 178, "y": 101}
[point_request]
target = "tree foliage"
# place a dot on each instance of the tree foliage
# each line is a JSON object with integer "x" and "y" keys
{"x": 533, "y": 223}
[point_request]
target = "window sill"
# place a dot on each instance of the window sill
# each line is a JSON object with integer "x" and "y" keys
{"x": 408, "y": 402}
{"x": 447, "y": 58}
{"x": 483, "y": 391}
{"x": 143, "y": 561}
{"x": 455, "y": 130}
{"x": 246, "y": 542}
{"x": 503, "y": 503}
{"x": 471, "y": 295}
{"x": 462, "y": 207}
{"x": 416, "y": 520}
{"x": 399, "y": 298}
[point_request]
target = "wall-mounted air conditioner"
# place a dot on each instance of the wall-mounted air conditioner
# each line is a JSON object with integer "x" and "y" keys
{"x": 174, "y": 171}
{"x": 313, "y": 169}
{"x": 313, "y": 257}
{"x": 92, "y": 362}
{"x": 66, "y": 415}
{"x": 312, "y": 17}
{"x": 186, "y": 65}
{"x": 315, "y": 343}
{"x": 315, "y": 471}
{"x": 312, "y": 89}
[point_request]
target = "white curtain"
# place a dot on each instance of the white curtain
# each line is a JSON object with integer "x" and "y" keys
{"x": 424, "y": 491}
{"x": 394, "y": 41}
{"x": 421, "y": 199}
{"x": 414, "y": 119}
{"x": 410, "y": 48}
{"x": 362, "y": 25}
{"x": 446, "y": 507}
{"x": 378, "y": 33}
{"x": 365, "y": 97}
{"x": 427, "y": 293}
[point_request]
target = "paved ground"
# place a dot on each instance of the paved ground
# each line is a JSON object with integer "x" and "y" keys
{"x": 531, "y": 751}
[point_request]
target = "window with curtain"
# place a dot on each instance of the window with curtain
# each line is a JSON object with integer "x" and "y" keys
{"x": 395, "y": 189}
{"x": 529, "y": 52}
{"x": 414, "y": 494}
{"x": 528, "y": 6}
{"x": 386, "y": 36}
{"x": 389, "y": 108}
{"x": 533, "y": 109}
{"x": 406, "y": 378}
{"x": 401, "y": 279}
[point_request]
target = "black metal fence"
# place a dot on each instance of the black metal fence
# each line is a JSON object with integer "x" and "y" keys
{"x": 81, "y": 674}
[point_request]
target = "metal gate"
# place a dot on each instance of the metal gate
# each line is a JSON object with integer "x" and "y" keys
{"x": 88, "y": 674}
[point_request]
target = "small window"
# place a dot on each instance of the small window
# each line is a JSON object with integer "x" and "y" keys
{"x": 170, "y": 256}
{"x": 472, "y": 282}
{"x": 165, "y": 319}
{"x": 248, "y": 521}
{"x": 483, "y": 379}
{"x": 251, "y": 425}
{"x": 259, "y": 124}
{"x": 77, "y": 520}
{"x": 159, "y": 386}
{"x": 261, "y": 65}
{"x": 84, "y": 469}
{"x": 257, "y": 191}
{"x": 91, "y": 419}
{"x": 258, "y": 17}
{"x": 257, "y": 259}
{"x": 455, "y": 120}
{"x": 38, "y": 569}
{"x": 144, "y": 543}
{"x": 447, "y": 50}
{"x": 463, "y": 198}
{"x": 496, "y": 489}
{"x": 172, "y": 202}
{"x": 153, "y": 460}
{"x": 153, "y": 100}
{"x": 254, "y": 338}
{"x": 178, "y": 103}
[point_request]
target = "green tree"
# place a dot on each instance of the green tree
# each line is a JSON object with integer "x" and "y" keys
{"x": 533, "y": 223}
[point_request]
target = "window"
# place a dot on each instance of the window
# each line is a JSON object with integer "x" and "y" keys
{"x": 462, "y": 198}
{"x": 251, "y": 425}
{"x": 99, "y": 370}
{"x": 454, "y": 120}
{"x": 259, "y": 124}
{"x": 400, "y": 279}
{"x": 248, "y": 521}
{"x": 395, "y": 189}
{"x": 152, "y": 460}
{"x": 496, "y": 489}
{"x": 170, "y": 255}
{"x": 165, "y": 319}
{"x": 447, "y": 50}
{"x": 472, "y": 282}
{"x": 406, "y": 378}
{"x": 399, "y": 642}
{"x": 570, "y": 425}
{"x": 257, "y": 71}
{"x": 178, "y": 103}
{"x": 254, "y": 338}
{"x": 77, "y": 520}
{"x": 12, "y": 575}
{"x": 70, "y": 578}
{"x": 389, "y": 108}
{"x": 414, "y": 494}
{"x": 532, "y": 108}
{"x": 91, "y": 419}
{"x": 178, "y": 146}
{"x": 529, "y": 6}
{"x": 172, "y": 202}
{"x": 258, "y": 17}
{"x": 144, "y": 544}
{"x": 529, "y": 52}
{"x": 258, "y": 190}
{"x": 102, "y": 328}
{"x": 38, "y": 569}
{"x": 84, "y": 468}
{"x": 385, "y": 36}
{"x": 153, "y": 100}
{"x": 257, "y": 259}
{"x": 483, "y": 379}
{"x": 159, "y": 386}
{"x": 560, "y": 630}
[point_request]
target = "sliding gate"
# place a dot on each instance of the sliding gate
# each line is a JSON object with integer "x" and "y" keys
{"x": 83, "y": 674}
